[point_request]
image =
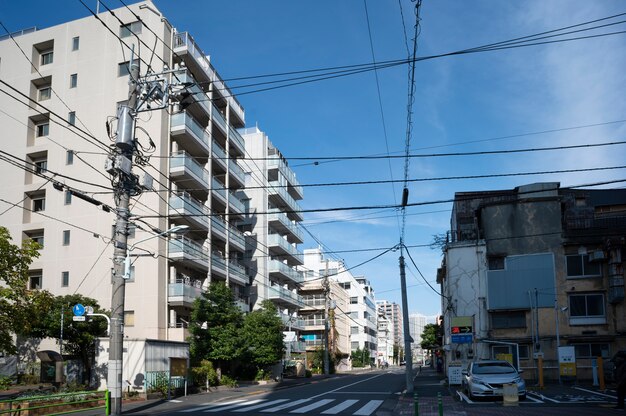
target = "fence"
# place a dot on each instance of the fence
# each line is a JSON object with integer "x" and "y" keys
{"x": 57, "y": 404}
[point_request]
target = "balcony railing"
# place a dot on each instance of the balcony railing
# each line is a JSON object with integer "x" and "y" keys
{"x": 236, "y": 171}
{"x": 188, "y": 249}
{"x": 277, "y": 215}
{"x": 275, "y": 266}
{"x": 183, "y": 292}
{"x": 237, "y": 236}
{"x": 275, "y": 240}
{"x": 218, "y": 263}
{"x": 314, "y": 342}
{"x": 192, "y": 86}
{"x": 184, "y": 202}
{"x": 291, "y": 321}
{"x": 186, "y": 120}
{"x": 218, "y": 226}
{"x": 238, "y": 272}
{"x": 313, "y": 322}
{"x": 219, "y": 154}
{"x": 236, "y": 203}
{"x": 278, "y": 188}
{"x": 182, "y": 159}
{"x": 237, "y": 140}
{"x": 278, "y": 163}
{"x": 218, "y": 188}
{"x": 219, "y": 119}
{"x": 278, "y": 292}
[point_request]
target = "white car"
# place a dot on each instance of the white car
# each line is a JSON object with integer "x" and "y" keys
{"x": 487, "y": 378}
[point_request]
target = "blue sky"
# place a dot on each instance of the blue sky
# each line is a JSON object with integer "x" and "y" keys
{"x": 470, "y": 98}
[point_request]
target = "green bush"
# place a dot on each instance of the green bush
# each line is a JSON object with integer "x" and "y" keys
{"x": 5, "y": 383}
{"x": 263, "y": 375}
{"x": 203, "y": 372}
{"x": 73, "y": 386}
{"x": 308, "y": 373}
{"x": 29, "y": 379}
{"x": 228, "y": 382}
{"x": 160, "y": 383}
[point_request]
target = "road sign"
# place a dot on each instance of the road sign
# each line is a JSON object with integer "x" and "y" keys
{"x": 461, "y": 330}
{"x": 79, "y": 318}
{"x": 89, "y": 309}
{"x": 78, "y": 309}
{"x": 462, "y": 338}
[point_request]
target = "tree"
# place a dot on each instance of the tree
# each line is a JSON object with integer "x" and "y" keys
{"x": 20, "y": 308}
{"x": 431, "y": 337}
{"x": 263, "y": 335}
{"x": 215, "y": 326}
{"x": 361, "y": 357}
{"x": 79, "y": 338}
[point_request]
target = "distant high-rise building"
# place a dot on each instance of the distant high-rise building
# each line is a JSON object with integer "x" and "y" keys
{"x": 393, "y": 312}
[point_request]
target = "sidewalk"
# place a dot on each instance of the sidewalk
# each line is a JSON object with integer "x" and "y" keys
{"x": 427, "y": 384}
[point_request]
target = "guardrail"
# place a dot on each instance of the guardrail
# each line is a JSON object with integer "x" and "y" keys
{"x": 59, "y": 404}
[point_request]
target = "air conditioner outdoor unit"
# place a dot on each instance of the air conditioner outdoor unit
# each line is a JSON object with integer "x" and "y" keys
{"x": 596, "y": 255}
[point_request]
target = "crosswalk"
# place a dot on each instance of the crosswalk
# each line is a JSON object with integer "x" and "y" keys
{"x": 296, "y": 406}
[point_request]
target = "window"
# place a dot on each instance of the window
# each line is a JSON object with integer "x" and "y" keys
{"x": 354, "y": 300}
{"x": 509, "y": 319}
{"x": 75, "y": 43}
{"x": 66, "y": 237}
{"x": 123, "y": 69}
{"x": 65, "y": 279}
{"x": 46, "y": 57}
{"x": 345, "y": 285}
{"x": 44, "y": 93}
{"x": 69, "y": 157}
{"x": 68, "y": 197}
{"x": 129, "y": 318}
{"x": 130, "y": 29}
{"x": 354, "y": 315}
{"x": 578, "y": 265}
{"x": 524, "y": 352}
{"x": 43, "y": 129}
{"x": 39, "y": 203}
{"x": 73, "y": 80}
{"x": 35, "y": 236}
{"x": 354, "y": 330}
{"x": 592, "y": 350}
{"x": 354, "y": 345}
{"x": 587, "y": 309}
{"x": 41, "y": 166}
{"x": 71, "y": 118}
{"x": 496, "y": 262}
{"x": 35, "y": 279}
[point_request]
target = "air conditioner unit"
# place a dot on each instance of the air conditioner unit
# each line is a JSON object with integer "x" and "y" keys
{"x": 597, "y": 255}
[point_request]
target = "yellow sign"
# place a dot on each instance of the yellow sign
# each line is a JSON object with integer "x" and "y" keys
{"x": 462, "y": 321}
{"x": 567, "y": 369}
{"x": 178, "y": 367}
{"x": 505, "y": 357}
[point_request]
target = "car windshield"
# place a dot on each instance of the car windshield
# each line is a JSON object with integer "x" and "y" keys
{"x": 493, "y": 368}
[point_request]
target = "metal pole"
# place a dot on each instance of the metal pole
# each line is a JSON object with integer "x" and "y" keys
{"x": 326, "y": 313}
{"x": 558, "y": 338}
{"x": 405, "y": 323}
{"x": 125, "y": 146}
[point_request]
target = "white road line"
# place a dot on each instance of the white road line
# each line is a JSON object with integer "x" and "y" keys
{"x": 286, "y": 405}
{"x": 369, "y": 408}
{"x": 464, "y": 397}
{"x": 232, "y": 406}
{"x": 341, "y": 406}
{"x": 533, "y": 399}
{"x": 175, "y": 401}
{"x": 320, "y": 403}
{"x": 209, "y": 405}
{"x": 258, "y": 406}
{"x": 364, "y": 392}
{"x": 596, "y": 392}
{"x": 543, "y": 397}
{"x": 341, "y": 388}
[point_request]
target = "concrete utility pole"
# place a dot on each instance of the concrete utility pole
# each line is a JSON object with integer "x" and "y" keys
{"x": 326, "y": 286}
{"x": 126, "y": 182}
{"x": 408, "y": 358}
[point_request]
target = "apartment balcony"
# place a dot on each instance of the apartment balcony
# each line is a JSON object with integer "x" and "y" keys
{"x": 236, "y": 238}
{"x": 188, "y": 210}
{"x": 189, "y": 133}
{"x": 182, "y": 294}
{"x": 189, "y": 252}
{"x": 242, "y": 305}
{"x": 280, "y": 221}
{"x": 314, "y": 343}
{"x": 219, "y": 155}
{"x": 313, "y": 324}
{"x": 219, "y": 120}
{"x": 197, "y": 61}
{"x": 298, "y": 346}
{"x": 178, "y": 332}
{"x": 278, "y": 244}
{"x": 197, "y": 95}
{"x": 314, "y": 303}
{"x": 279, "y": 269}
{"x": 236, "y": 141}
{"x": 237, "y": 273}
{"x": 291, "y": 322}
{"x": 235, "y": 204}
{"x": 236, "y": 173}
{"x": 284, "y": 297}
{"x": 218, "y": 228}
{"x": 184, "y": 167}
{"x": 277, "y": 192}
{"x": 218, "y": 265}
{"x": 218, "y": 190}
{"x": 294, "y": 185}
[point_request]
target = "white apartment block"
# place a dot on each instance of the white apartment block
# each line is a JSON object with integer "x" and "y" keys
{"x": 385, "y": 340}
{"x": 393, "y": 312}
{"x": 78, "y": 77}
{"x": 272, "y": 190}
{"x": 361, "y": 310}
{"x": 417, "y": 323}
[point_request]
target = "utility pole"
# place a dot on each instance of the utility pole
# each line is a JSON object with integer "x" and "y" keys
{"x": 126, "y": 182}
{"x": 405, "y": 324}
{"x": 326, "y": 286}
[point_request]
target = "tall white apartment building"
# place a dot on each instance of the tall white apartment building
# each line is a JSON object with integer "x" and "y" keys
{"x": 385, "y": 340}
{"x": 417, "y": 323}
{"x": 362, "y": 308}
{"x": 393, "y": 312}
{"x": 78, "y": 76}
{"x": 273, "y": 235}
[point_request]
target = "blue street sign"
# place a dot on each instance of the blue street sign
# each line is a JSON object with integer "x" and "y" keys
{"x": 78, "y": 309}
{"x": 462, "y": 338}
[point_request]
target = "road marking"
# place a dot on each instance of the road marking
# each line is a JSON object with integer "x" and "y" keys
{"x": 232, "y": 406}
{"x": 175, "y": 401}
{"x": 248, "y": 408}
{"x": 596, "y": 392}
{"x": 464, "y": 397}
{"x": 341, "y": 406}
{"x": 542, "y": 397}
{"x": 341, "y": 388}
{"x": 313, "y": 406}
{"x": 533, "y": 399}
{"x": 209, "y": 405}
{"x": 286, "y": 405}
{"x": 369, "y": 408}
{"x": 364, "y": 392}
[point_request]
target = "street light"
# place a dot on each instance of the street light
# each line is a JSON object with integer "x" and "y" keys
{"x": 127, "y": 263}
